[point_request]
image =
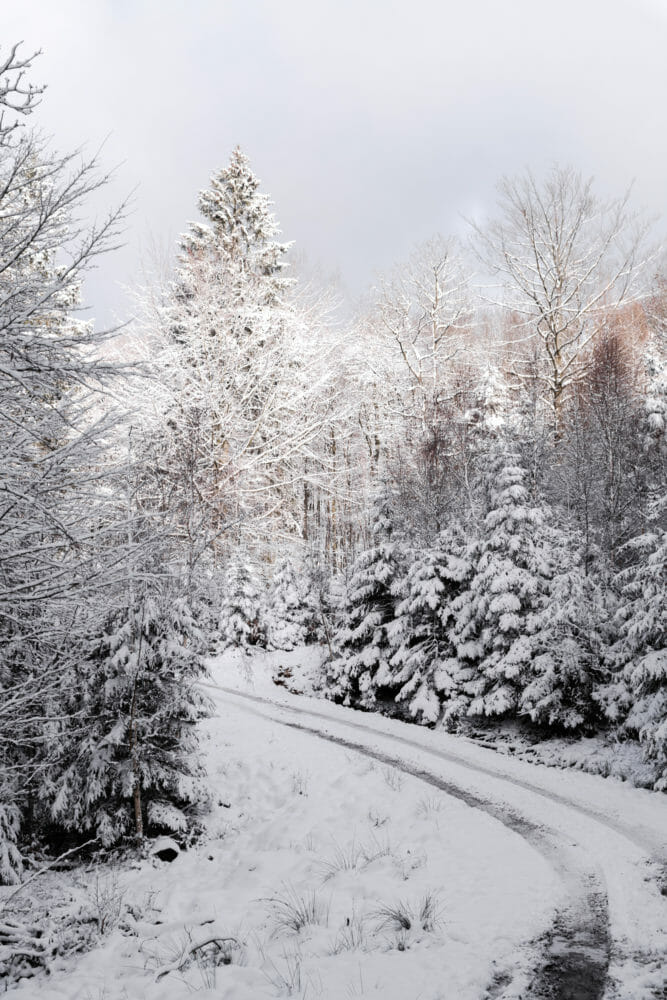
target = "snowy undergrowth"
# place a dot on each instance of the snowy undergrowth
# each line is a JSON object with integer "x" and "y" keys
{"x": 604, "y": 756}
{"x": 324, "y": 875}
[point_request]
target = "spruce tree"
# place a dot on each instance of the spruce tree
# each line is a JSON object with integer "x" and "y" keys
{"x": 290, "y": 615}
{"x": 424, "y": 664}
{"x": 643, "y": 643}
{"x": 240, "y": 231}
{"x": 130, "y": 765}
{"x": 241, "y": 403}
{"x": 494, "y": 625}
{"x": 242, "y": 622}
{"x": 570, "y": 636}
{"x": 360, "y": 672}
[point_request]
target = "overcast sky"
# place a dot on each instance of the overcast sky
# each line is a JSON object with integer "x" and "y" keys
{"x": 372, "y": 124}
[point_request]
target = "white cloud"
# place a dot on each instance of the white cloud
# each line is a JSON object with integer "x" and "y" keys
{"x": 371, "y": 122}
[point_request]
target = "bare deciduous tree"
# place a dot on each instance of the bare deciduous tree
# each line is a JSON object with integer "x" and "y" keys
{"x": 423, "y": 310}
{"x": 567, "y": 258}
{"x": 16, "y": 98}
{"x": 57, "y": 533}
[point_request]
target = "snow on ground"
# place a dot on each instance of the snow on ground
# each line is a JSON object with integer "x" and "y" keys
{"x": 605, "y": 755}
{"x": 299, "y": 672}
{"x": 279, "y": 675}
{"x": 315, "y": 860}
{"x": 328, "y": 874}
{"x": 618, "y": 833}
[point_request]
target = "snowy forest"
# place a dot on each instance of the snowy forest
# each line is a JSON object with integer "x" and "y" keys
{"x": 458, "y": 493}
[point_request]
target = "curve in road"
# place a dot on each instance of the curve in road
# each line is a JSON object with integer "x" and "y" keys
{"x": 574, "y": 956}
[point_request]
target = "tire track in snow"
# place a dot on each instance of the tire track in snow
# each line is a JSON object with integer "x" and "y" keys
{"x": 575, "y": 954}
{"x": 654, "y": 848}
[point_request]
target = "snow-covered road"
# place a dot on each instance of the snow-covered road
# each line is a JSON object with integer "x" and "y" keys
{"x": 346, "y": 855}
{"x": 605, "y": 841}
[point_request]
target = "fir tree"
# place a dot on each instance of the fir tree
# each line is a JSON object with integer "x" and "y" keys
{"x": 425, "y": 668}
{"x": 361, "y": 670}
{"x": 240, "y": 229}
{"x": 131, "y": 763}
{"x": 234, "y": 255}
{"x": 241, "y": 404}
{"x": 643, "y": 642}
{"x": 493, "y": 628}
{"x": 570, "y": 634}
{"x": 241, "y": 623}
{"x": 11, "y": 861}
{"x": 290, "y": 613}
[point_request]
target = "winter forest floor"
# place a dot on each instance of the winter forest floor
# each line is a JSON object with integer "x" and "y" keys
{"x": 350, "y": 855}
{"x": 601, "y": 754}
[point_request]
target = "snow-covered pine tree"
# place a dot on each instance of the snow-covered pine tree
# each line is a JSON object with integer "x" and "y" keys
{"x": 570, "y": 636}
{"x": 493, "y": 626}
{"x": 636, "y": 696}
{"x": 313, "y": 604}
{"x": 643, "y": 643}
{"x": 131, "y": 763}
{"x": 424, "y": 664}
{"x": 11, "y": 860}
{"x": 242, "y": 623}
{"x": 242, "y": 380}
{"x": 240, "y": 230}
{"x": 360, "y": 672}
{"x": 289, "y": 615}
{"x": 233, "y": 255}
{"x": 321, "y": 594}
{"x": 462, "y": 633}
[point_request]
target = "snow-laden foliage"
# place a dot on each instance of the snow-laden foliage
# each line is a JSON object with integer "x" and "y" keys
{"x": 655, "y": 361}
{"x": 421, "y": 312}
{"x": 360, "y": 670}
{"x": 656, "y": 404}
{"x": 59, "y": 548}
{"x": 291, "y": 615}
{"x": 643, "y": 642}
{"x": 240, "y": 228}
{"x": 570, "y": 634}
{"x": 425, "y": 668}
{"x": 132, "y": 743}
{"x": 11, "y": 862}
{"x": 494, "y": 628}
{"x": 565, "y": 258}
{"x": 513, "y": 566}
{"x": 241, "y": 375}
{"x": 242, "y": 615}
